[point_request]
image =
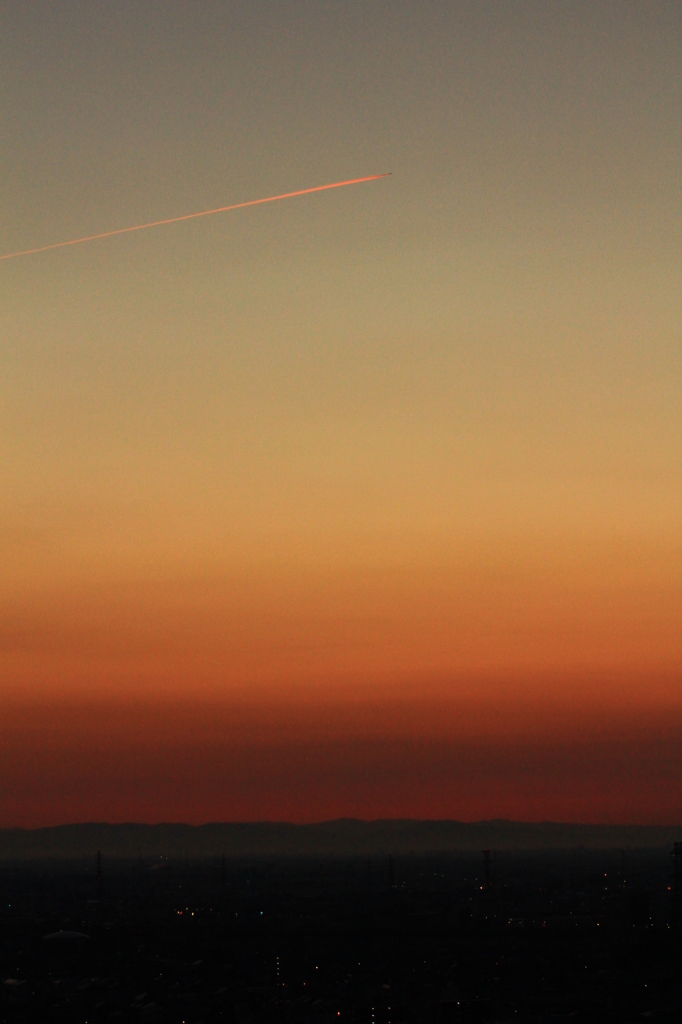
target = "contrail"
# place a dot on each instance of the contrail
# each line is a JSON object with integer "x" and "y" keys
{"x": 191, "y": 216}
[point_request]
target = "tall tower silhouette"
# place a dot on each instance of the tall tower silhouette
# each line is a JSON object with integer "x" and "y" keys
{"x": 677, "y": 882}
{"x": 487, "y": 873}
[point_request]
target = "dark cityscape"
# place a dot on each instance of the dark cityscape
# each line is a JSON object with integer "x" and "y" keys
{"x": 579, "y": 935}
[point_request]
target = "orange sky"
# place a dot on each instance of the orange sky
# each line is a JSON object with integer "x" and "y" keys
{"x": 364, "y": 503}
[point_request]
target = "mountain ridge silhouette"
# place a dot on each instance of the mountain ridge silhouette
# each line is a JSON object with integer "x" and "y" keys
{"x": 337, "y": 837}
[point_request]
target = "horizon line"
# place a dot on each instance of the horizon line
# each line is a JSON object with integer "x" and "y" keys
{"x": 345, "y": 819}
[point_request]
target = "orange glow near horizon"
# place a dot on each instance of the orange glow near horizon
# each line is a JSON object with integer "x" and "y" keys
{"x": 410, "y": 757}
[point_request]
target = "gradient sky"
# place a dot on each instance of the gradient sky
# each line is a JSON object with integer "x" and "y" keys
{"x": 367, "y": 502}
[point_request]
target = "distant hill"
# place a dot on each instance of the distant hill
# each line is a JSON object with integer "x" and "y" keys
{"x": 344, "y": 837}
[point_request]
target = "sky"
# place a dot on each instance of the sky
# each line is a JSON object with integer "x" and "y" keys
{"x": 363, "y": 503}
